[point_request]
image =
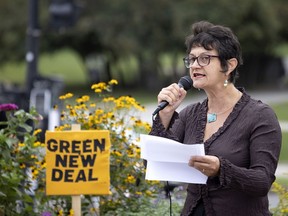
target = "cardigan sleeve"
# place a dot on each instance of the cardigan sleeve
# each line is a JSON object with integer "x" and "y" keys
{"x": 265, "y": 144}
{"x": 176, "y": 128}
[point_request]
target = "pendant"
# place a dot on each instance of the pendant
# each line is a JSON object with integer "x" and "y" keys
{"x": 211, "y": 117}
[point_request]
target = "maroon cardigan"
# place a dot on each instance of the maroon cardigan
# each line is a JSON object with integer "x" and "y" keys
{"x": 248, "y": 146}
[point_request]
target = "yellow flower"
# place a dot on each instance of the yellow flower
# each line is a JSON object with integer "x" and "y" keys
{"x": 113, "y": 82}
{"x": 108, "y": 99}
{"x": 60, "y": 213}
{"x": 93, "y": 210}
{"x": 130, "y": 179}
{"x": 37, "y": 132}
{"x": 85, "y": 98}
{"x": 99, "y": 111}
{"x": 117, "y": 153}
{"x": 22, "y": 165}
{"x": 99, "y": 87}
{"x": 72, "y": 113}
{"x": 98, "y": 90}
{"x": 66, "y": 96}
{"x": 43, "y": 164}
{"x": 71, "y": 212}
{"x": 93, "y": 105}
{"x": 148, "y": 192}
{"x": 37, "y": 144}
{"x": 68, "y": 106}
{"x": 21, "y": 144}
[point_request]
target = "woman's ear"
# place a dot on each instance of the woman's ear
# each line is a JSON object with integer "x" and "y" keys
{"x": 232, "y": 64}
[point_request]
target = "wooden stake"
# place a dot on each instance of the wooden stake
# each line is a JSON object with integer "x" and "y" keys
{"x": 76, "y": 200}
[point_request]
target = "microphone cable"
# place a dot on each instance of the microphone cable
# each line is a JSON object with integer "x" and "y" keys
{"x": 167, "y": 183}
{"x": 169, "y": 196}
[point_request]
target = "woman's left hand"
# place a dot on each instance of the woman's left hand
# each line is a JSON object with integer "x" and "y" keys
{"x": 209, "y": 165}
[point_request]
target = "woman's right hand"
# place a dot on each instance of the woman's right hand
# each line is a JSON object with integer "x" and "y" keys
{"x": 174, "y": 95}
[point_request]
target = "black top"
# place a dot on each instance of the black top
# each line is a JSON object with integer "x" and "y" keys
{"x": 248, "y": 146}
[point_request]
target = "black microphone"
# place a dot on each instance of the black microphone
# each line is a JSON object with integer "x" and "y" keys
{"x": 184, "y": 82}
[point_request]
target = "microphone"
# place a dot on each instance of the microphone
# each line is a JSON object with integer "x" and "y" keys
{"x": 184, "y": 82}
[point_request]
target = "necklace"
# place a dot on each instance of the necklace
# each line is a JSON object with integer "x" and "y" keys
{"x": 212, "y": 117}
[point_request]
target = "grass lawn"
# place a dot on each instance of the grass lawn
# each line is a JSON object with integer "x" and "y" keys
{"x": 284, "y": 149}
{"x": 63, "y": 64}
{"x": 281, "y": 110}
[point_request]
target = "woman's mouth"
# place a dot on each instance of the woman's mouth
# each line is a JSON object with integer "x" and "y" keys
{"x": 198, "y": 75}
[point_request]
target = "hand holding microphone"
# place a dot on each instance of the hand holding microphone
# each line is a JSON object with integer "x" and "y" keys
{"x": 172, "y": 93}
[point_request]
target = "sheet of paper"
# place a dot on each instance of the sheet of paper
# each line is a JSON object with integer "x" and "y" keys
{"x": 167, "y": 160}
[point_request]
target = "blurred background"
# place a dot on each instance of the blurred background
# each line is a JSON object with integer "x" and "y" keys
{"x": 48, "y": 47}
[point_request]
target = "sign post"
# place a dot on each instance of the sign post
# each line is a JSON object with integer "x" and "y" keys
{"x": 76, "y": 199}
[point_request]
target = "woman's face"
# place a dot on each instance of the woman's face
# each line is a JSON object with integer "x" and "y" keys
{"x": 205, "y": 71}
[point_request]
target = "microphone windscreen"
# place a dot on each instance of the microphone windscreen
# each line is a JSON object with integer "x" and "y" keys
{"x": 185, "y": 82}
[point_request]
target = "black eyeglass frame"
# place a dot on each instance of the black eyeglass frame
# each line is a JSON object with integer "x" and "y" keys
{"x": 188, "y": 63}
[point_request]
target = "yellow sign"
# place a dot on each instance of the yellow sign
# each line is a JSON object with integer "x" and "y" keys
{"x": 78, "y": 162}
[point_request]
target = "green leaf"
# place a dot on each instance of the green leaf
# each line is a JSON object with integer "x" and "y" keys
{"x": 6, "y": 155}
{"x": 10, "y": 141}
{"x": 26, "y": 127}
{"x": 19, "y": 192}
{"x": 3, "y": 194}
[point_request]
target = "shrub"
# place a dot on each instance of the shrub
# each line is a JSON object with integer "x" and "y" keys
{"x": 21, "y": 159}
{"x": 121, "y": 117}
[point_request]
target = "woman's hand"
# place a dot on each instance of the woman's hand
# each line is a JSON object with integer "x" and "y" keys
{"x": 209, "y": 165}
{"x": 174, "y": 95}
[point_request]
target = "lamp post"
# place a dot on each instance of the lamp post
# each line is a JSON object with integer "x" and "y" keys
{"x": 33, "y": 35}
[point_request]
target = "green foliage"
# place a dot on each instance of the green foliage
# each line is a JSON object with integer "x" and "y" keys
{"x": 21, "y": 160}
{"x": 282, "y": 208}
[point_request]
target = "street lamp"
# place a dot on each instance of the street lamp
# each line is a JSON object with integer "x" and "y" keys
{"x": 63, "y": 14}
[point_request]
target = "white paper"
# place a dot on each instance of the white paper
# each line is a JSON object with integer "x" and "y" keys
{"x": 167, "y": 160}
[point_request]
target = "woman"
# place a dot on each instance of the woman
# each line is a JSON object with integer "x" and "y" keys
{"x": 242, "y": 136}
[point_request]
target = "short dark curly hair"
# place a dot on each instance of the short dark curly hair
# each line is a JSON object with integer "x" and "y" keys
{"x": 222, "y": 39}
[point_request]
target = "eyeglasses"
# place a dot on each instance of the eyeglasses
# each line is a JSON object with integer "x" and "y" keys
{"x": 202, "y": 60}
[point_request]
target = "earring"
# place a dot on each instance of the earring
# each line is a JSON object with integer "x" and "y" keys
{"x": 225, "y": 83}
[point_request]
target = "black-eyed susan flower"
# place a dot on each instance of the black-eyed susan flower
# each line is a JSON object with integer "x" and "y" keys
{"x": 22, "y": 165}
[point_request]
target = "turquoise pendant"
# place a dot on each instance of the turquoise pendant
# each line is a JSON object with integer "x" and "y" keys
{"x": 211, "y": 117}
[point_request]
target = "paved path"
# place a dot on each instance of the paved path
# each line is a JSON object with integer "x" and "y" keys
{"x": 284, "y": 125}
{"x": 282, "y": 171}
